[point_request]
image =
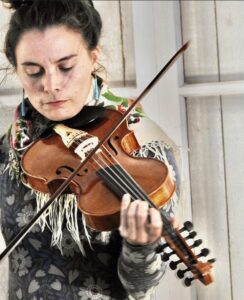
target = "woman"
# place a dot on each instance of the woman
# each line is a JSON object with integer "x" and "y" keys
{"x": 53, "y": 47}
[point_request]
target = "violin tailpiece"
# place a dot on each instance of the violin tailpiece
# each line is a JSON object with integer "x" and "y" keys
{"x": 68, "y": 135}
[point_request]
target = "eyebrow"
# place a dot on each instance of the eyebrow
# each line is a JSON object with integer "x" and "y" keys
{"x": 30, "y": 63}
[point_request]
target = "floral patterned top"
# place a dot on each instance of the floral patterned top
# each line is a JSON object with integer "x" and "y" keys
{"x": 109, "y": 268}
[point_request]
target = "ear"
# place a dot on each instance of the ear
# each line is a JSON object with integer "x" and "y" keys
{"x": 95, "y": 54}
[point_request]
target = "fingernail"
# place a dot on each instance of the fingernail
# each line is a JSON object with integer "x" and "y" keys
{"x": 126, "y": 196}
{"x": 126, "y": 199}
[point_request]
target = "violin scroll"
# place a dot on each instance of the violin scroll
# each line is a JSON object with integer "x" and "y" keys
{"x": 177, "y": 246}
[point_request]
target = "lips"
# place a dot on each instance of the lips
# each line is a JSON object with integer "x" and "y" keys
{"x": 56, "y": 102}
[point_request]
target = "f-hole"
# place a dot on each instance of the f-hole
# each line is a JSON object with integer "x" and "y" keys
{"x": 61, "y": 169}
{"x": 112, "y": 147}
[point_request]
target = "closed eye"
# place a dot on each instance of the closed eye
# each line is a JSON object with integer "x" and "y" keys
{"x": 63, "y": 69}
{"x": 37, "y": 74}
{"x": 41, "y": 72}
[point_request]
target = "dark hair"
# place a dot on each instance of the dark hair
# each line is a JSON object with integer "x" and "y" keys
{"x": 79, "y": 15}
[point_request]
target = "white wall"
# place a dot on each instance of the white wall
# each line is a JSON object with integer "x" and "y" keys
{"x": 215, "y": 132}
{"x": 157, "y": 36}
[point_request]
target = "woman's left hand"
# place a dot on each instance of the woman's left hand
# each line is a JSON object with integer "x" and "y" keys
{"x": 139, "y": 224}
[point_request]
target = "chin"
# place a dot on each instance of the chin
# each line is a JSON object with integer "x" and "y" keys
{"x": 57, "y": 117}
{"x": 60, "y": 117}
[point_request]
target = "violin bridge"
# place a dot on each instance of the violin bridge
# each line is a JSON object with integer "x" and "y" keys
{"x": 86, "y": 146}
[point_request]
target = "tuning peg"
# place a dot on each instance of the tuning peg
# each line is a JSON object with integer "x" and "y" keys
{"x": 181, "y": 273}
{"x": 165, "y": 256}
{"x": 188, "y": 226}
{"x": 204, "y": 252}
{"x": 196, "y": 243}
{"x": 160, "y": 248}
{"x": 188, "y": 280}
{"x": 191, "y": 235}
{"x": 173, "y": 264}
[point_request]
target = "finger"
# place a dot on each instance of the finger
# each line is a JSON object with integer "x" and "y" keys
{"x": 155, "y": 226}
{"x": 141, "y": 221}
{"x": 123, "y": 215}
{"x": 141, "y": 214}
{"x": 175, "y": 223}
{"x": 174, "y": 220}
{"x": 132, "y": 221}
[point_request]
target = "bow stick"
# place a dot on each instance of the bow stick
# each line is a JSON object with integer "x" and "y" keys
{"x": 18, "y": 238}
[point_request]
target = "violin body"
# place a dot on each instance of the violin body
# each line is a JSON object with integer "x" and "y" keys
{"x": 48, "y": 162}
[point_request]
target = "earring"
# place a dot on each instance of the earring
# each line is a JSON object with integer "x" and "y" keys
{"x": 96, "y": 92}
{"x": 23, "y": 110}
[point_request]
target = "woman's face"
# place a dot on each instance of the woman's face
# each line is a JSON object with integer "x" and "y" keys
{"x": 54, "y": 67}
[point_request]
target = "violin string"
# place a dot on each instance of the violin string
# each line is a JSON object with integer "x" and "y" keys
{"x": 138, "y": 191}
{"x": 110, "y": 172}
{"x": 135, "y": 190}
{"x": 105, "y": 170}
{"x": 113, "y": 176}
{"x": 124, "y": 175}
{"x": 130, "y": 185}
{"x": 119, "y": 176}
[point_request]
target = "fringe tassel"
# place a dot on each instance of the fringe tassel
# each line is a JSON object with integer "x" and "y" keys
{"x": 63, "y": 207}
{"x": 86, "y": 232}
{"x": 156, "y": 149}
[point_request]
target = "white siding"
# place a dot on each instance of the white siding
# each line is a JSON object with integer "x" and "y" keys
{"x": 215, "y": 131}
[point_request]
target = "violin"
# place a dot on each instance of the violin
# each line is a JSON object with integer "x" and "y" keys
{"x": 106, "y": 177}
{"x": 95, "y": 164}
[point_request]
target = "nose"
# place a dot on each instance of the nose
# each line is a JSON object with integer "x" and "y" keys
{"x": 52, "y": 82}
